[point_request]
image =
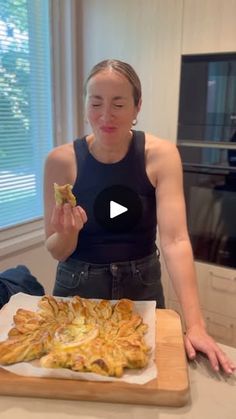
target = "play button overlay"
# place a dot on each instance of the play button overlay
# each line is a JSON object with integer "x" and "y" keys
{"x": 118, "y": 208}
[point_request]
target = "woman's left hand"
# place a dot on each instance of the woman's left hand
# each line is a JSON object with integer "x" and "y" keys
{"x": 197, "y": 339}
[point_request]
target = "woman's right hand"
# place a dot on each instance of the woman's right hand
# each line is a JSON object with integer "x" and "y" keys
{"x": 68, "y": 220}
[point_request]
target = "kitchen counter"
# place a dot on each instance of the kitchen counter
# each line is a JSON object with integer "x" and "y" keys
{"x": 212, "y": 396}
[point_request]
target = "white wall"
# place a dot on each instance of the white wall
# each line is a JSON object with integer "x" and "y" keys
{"x": 209, "y": 26}
{"x": 147, "y": 34}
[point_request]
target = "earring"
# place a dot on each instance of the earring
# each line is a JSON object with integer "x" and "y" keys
{"x": 134, "y": 122}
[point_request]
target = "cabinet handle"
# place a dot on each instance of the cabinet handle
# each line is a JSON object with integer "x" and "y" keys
{"x": 222, "y": 283}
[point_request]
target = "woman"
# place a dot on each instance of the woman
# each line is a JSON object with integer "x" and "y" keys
{"x": 101, "y": 263}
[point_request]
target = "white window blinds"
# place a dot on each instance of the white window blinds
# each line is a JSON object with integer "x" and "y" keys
{"x": 26, "y": 125}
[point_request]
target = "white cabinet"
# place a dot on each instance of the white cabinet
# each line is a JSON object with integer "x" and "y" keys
{"x": 223, "y": 328}
{"x": 209, "y": 26}
{"x": 217, "y": 290}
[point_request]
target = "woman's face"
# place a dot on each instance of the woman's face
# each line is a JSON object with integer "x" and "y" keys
{"x": 110, "y": 107}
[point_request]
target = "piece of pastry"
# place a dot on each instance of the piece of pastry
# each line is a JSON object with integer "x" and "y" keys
{"x": 63, "y": 194}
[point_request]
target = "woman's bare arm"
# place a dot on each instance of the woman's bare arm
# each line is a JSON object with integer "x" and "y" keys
{"x": 62, "y": 223}
{"x": 174, "y": 238}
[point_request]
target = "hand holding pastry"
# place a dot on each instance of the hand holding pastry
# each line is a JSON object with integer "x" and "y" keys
{"x": 66, "y": 221}
{"x": 67, "y": 217}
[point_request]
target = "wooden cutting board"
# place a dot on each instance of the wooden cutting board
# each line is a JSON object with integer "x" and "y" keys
{"x": 170, "y": 388}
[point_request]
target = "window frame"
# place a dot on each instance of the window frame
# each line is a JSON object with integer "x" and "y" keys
{"x": 66, "y": 102}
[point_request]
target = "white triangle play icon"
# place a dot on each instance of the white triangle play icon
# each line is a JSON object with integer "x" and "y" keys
{"x": 116, "y": 209}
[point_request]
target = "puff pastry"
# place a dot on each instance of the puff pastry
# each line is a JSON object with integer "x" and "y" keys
{"x": 64, "y": 195}
{"x": 80, "y": 334}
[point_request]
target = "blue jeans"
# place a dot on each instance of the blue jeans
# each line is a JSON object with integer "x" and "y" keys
{"x": 137, "y": 280}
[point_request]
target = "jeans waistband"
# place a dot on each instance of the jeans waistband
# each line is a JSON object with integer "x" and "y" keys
{"x": 131, "y": 264}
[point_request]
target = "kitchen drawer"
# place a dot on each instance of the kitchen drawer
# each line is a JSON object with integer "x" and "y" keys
{"x": 222, "y": 328}
{"x": 217, "y": 289}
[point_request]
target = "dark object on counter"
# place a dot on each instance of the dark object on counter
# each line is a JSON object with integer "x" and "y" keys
{"x": 16, "y": 280}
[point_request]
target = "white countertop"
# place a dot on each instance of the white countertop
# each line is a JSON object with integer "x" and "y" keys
{"x": 213, "y": 396}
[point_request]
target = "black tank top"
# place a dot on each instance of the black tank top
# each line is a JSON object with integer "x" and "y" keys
{"x": 96, "y": 244}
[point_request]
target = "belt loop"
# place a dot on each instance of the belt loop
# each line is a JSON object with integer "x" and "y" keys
{"x": 86, "y": 270}
{"x": 133, "y": 266}
{"x": 114, "y": 269}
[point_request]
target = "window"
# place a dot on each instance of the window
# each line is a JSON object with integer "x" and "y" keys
{"x": 26, "y": 122}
